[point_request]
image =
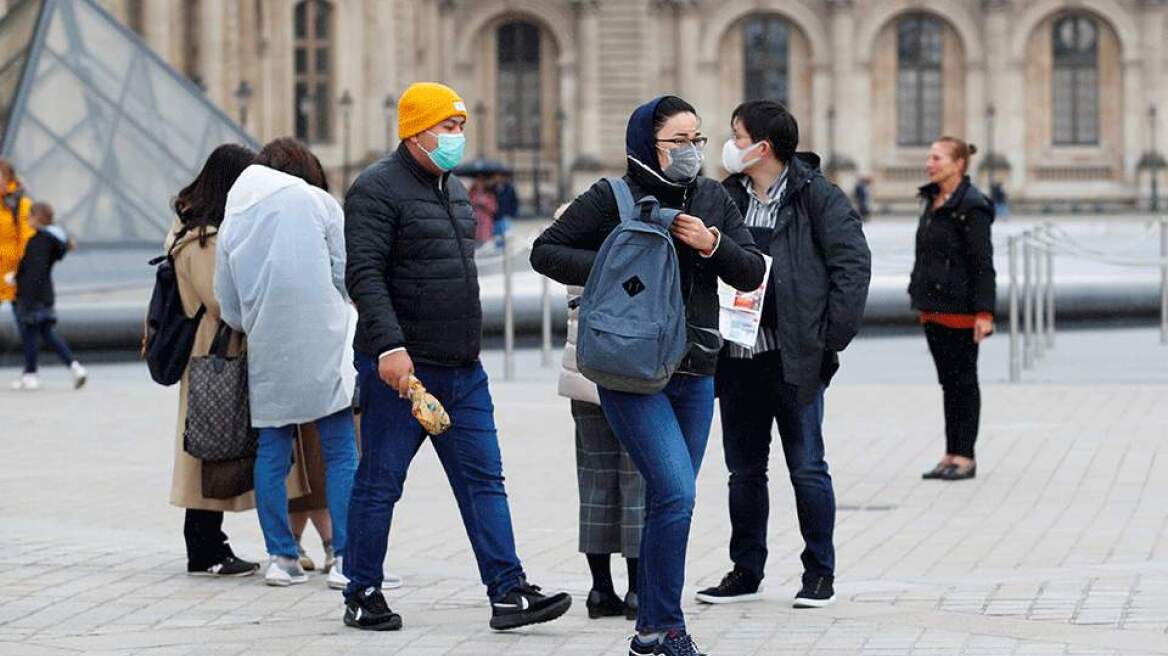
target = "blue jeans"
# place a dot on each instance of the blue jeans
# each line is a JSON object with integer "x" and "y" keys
{"x": 665, "y": 434}
{"x": 338, "y": 445}
{"x": 469, "y": 452}
{"x": 28, "y": 335}
{"x": 754, "y": 397}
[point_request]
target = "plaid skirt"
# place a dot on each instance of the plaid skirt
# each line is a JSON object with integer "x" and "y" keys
{"x": 612, "y": 492}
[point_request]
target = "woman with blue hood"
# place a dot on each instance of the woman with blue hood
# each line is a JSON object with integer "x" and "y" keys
{"x": 665, "y": 433}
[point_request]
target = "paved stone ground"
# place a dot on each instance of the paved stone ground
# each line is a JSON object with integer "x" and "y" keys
{"x": 1059, "y": 547}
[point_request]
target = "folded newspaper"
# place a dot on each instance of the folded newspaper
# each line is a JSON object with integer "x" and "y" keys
{"x": 427, "y": 409}
{"x": 740, "y": 313}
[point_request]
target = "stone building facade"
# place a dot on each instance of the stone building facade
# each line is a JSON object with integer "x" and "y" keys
{"x": 1063, "y": 97}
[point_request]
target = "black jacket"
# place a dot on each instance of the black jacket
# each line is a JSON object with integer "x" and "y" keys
{"x": 34, "y": 276}
{"x": 819, "y": 275}
{"x": 566, "y": 250}
{"x": 954, "y": 267}
{"x": 411, "y": 271}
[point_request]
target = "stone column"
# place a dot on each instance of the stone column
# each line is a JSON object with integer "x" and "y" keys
{"x": 1006, "y": 86}
{"x": 584, "y": 114}
{"x": 213, "y": 53}
{"x": 843, "y": 91}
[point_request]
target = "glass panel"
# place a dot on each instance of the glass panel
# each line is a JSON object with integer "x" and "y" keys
{"x": 920, "y": 102}
{"x": 300, "y": 20}
{"x": 301, "y": 61}
{"x": 323, "y": 106}
{"x": 108, "y": 133}
{"x": 1075, "y": 81}
{"x": 1086, "y": 107}
{"x": 16, "y": 31}
{"x": 518, "y": 88}
{"x": 323, "y": 18}
{"x": 1063, "y": 106}
{"x": 766, "y": 46}
{"x": 322, "y": 61}
{"x": 303, "y": 108}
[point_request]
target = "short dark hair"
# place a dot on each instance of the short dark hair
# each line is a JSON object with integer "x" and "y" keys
{"x": 202, "y": 203}
{"x": 294, "y": 158}
{"x": 43, "y": 211}
{"x": 765, "y": 119}
{"x": 669, "y": 107}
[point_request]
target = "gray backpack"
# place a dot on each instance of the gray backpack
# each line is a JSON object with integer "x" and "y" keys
{"x": 632, "y": 327}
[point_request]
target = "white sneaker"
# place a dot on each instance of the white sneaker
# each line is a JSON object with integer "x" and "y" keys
{"x": 27, "y": 382}
{"x": 391, "y": 582}
{"x": 79, "y": 375}
{"x": 336, "y": 579}
{"x": 283, "y": 572}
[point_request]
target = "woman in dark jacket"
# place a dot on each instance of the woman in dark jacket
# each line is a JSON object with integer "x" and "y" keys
{"x": 952, "y": 286}
{"x": 665, "y": 433}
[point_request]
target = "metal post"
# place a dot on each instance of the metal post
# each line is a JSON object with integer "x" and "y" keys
{"x": 1049, "y": 287}
{"x": 508, "y": 313}
{"x": 546, "y": 327}
{"x": 1027, "y": 302}
{"x": 1039, "y": 297}
{"x": 1164, "y": 281}
{"x": 1015, "y": 362}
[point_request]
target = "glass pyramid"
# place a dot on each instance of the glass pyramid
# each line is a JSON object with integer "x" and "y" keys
{"x": 98, "y": 125}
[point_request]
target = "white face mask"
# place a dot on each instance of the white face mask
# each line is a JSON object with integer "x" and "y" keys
{"x": 734, "y": 158}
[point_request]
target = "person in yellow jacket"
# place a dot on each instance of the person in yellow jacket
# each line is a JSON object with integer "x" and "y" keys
{"x": 15, "y": 230}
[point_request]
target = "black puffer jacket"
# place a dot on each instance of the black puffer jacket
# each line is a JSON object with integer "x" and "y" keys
{"x": 820, "y": 273}
{"x": 566, "y": 250}
{"x": 954, "y": 267}
{"x": 411, "y": 270}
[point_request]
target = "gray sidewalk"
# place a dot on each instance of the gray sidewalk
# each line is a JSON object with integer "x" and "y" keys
{"x": 1059, "y": 547}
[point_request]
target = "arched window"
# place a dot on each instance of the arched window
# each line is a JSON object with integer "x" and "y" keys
{"x": 1075, "y": 80}
{"x": 766, "y": 44}
{"x": 313, "y": 32}
{"x": 518, "y": 91}
{"x": 919, "y": 85}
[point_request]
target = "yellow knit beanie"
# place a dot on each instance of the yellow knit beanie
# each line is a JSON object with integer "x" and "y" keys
{"x": 424, "y": 105}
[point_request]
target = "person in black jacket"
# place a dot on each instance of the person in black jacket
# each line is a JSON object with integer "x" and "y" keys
{"x": 409, "y": 235}
{"x": 953, "y": 288}
{"x": 35, "y": 298}
{"x": 665, "y": 433}
{"x": 814, "y": 301}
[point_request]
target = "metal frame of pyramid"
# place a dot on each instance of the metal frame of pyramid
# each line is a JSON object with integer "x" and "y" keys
{"x": 99, "y": 125}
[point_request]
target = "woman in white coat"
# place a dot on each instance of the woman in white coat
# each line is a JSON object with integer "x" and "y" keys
{"x": 279, "y": 278}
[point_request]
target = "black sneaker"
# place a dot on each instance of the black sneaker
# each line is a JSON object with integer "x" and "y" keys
{"x": 604, "y": 604}
{"x": 677, "y": 643}
{"x": 366, "y": 610}
{"x": 229, "y": 566}
{"x": 526, "y": 605}
{"x": 817, "y": 592}
{"x": 738, "y": 585}
{"x": 638, "y": 648}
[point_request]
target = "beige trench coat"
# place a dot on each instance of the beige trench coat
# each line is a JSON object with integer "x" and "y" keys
{"x": 195, "y": 268}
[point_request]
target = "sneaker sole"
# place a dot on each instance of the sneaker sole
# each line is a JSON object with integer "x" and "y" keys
{"x": 392, "y": 624}
{"x": 209, "y": 575}
{"x": 337, "y": 585}
{"x": 277, "y": 583}
{"x": 814, "y": 603}
{"x": 548, "y": 614}
{"x": 736, "y": 599}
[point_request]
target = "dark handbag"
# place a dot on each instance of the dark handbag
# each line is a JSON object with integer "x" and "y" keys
{"x": 218, "y": 424}
{"x": 170, "y": 333}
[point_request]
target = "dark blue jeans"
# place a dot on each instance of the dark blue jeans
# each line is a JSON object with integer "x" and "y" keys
{"x": 469, "y": 452}
{"x": 29, "y": 333}
{"x": 754, "y": 397}
{"x": 665, "y": 434}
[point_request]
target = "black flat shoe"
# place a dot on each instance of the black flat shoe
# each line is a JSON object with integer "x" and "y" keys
{"x": 956, "y": 473}
{"x": 936, "y": 472}
{"x": 604, "y": 604}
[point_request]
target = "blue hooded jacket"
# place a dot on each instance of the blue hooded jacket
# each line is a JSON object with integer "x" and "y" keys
{"x": 641, "y": 138}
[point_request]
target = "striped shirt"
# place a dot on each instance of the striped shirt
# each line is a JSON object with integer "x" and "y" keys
{"x": 761, "y": 213}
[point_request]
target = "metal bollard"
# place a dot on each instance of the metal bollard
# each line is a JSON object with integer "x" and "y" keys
{"x": 1015, "y": 362}
{"x": 1039, "y": 299}
{"x": 1164, "y": 281}
{"x": 546, "y": 318}
{"x": 508, "y": 312}
{"x": 1050, "y": 287}
{"x": 1027, "y": 302}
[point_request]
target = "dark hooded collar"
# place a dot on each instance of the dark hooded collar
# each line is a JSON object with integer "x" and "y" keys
{"x": 929, "y": 192}
{"x": 411, "y": 163}
{"x": 641, "y": 150}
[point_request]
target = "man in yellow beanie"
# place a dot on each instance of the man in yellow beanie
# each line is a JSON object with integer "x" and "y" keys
{"x": 409, "y": 234}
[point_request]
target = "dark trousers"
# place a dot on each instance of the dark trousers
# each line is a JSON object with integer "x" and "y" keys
{"x": 754, "y": 397}
{"x": 469, "y": 453}
{"x": 955, "y": 354}
{"x": 206, "y": 541}
{"x": 29, "y": 332}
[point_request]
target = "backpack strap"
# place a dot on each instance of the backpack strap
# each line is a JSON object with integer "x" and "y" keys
{"x": 625, "y": 203}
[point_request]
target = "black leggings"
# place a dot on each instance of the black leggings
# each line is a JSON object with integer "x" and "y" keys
{"x": 955, "y": 354}
{"x": 206, "y": 541}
